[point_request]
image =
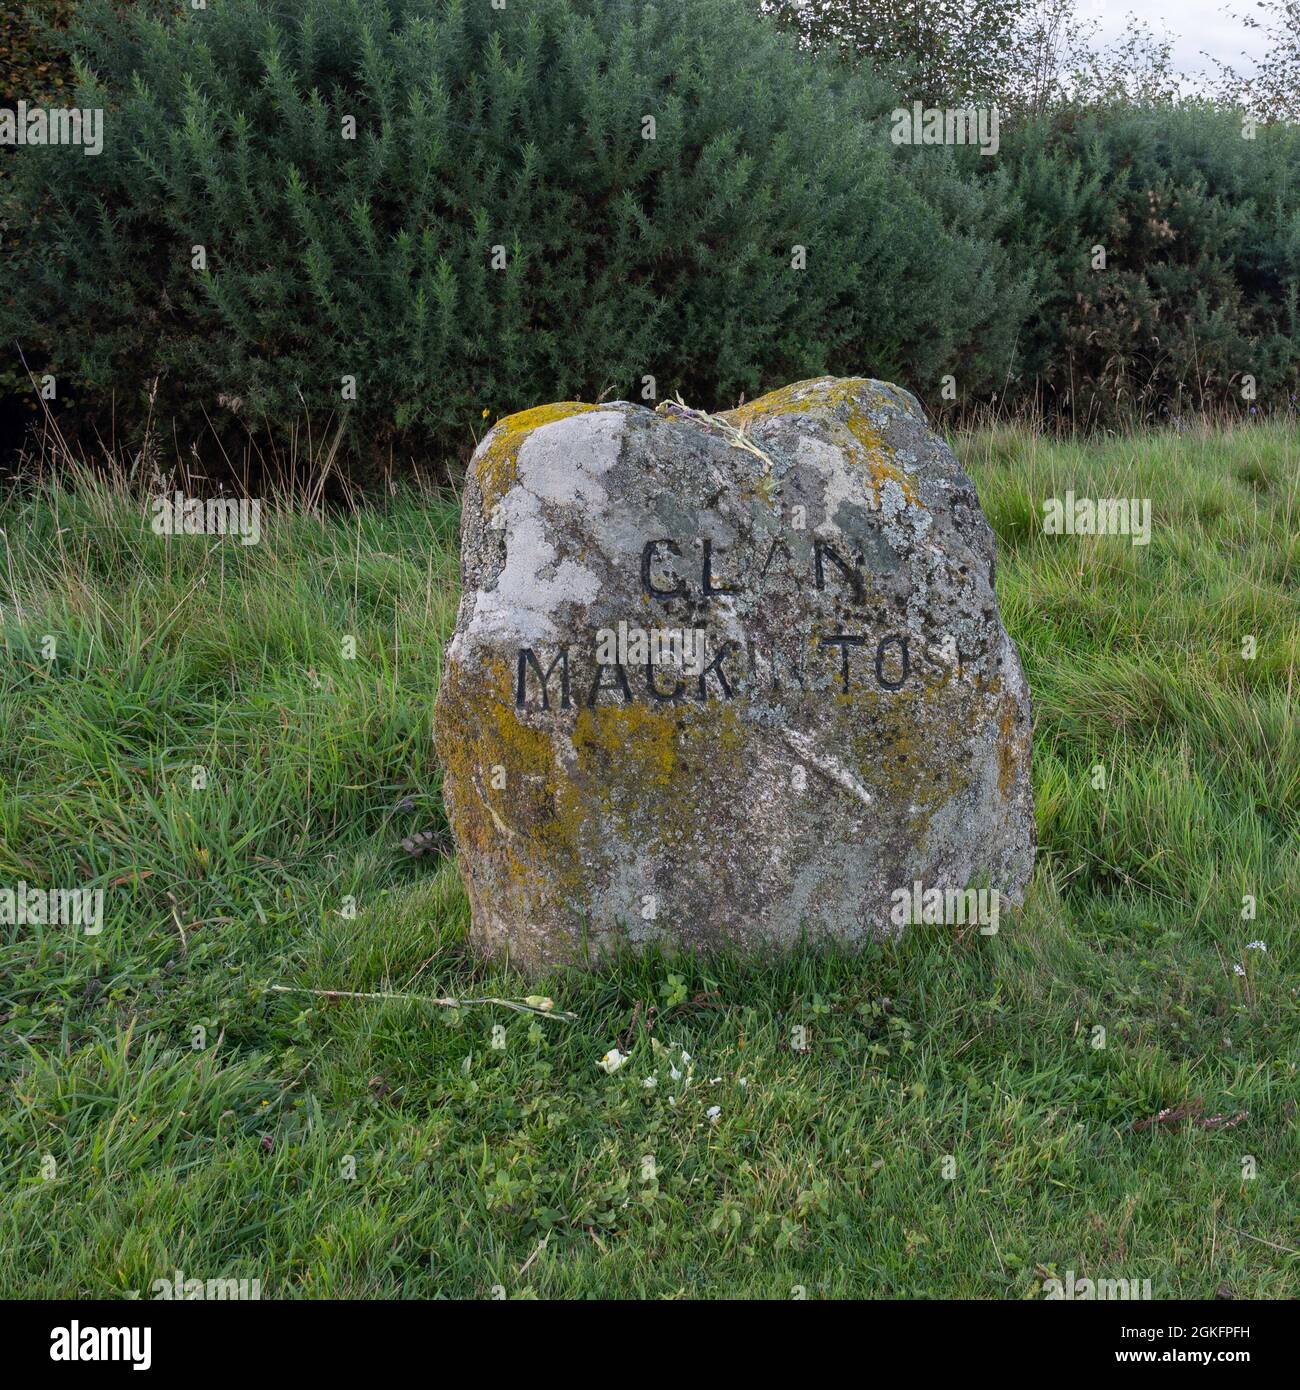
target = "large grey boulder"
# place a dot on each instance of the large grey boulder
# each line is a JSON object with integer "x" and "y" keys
{"x": 852, "y": 722}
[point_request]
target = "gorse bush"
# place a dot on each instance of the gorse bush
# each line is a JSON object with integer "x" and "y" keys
{"x": 33, "y": 66}
{"x": 1200, "y": 232}
{"x": 498, "y": 233}
{"x": 1199, "y": 226}
{"x": 30, "y": 64}
{"x": 412, "y": 213}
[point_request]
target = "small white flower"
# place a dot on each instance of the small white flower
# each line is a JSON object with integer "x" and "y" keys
{"x": 1256, "y": 946}
{"x": 674, "y": 1073}
{"x": 612, "y": 1060}
{"x": 686, "y": 1057}
{"x": 713, "y": 1080}
{"x": 744, "y": 1081}
{"x": 1238, "y": 969}
{"x": 714, "y": 1112}
{"x": 650, "y": 1082}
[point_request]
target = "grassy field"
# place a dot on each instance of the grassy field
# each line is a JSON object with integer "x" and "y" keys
{"x": 360, "y": 1148}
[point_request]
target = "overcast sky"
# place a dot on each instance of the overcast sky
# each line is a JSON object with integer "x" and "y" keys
{"x": 1201, "y": 26}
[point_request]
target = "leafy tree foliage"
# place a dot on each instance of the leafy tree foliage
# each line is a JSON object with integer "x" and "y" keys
{"x": 558, "y": 199}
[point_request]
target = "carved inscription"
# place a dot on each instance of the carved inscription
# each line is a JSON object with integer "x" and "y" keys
{"x": 577, "y": 675}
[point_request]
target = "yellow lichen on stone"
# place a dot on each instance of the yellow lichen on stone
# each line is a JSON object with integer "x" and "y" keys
{"x": 532, "y": 825}
{"x": 637, "y": 734}
{"x": 1009, "y": 744}
{"x": 638, "y": 760}
{"x": 495, "y": 470}
{"x": 844, "y": 396}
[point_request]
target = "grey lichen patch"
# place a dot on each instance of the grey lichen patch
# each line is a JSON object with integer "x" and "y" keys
{"x": 854, "y": 717}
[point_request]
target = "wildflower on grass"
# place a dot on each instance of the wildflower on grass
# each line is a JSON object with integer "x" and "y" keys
{"x": 611, "y": 1061}
{"x": 714, "y": 1112}
{"x": 679, "y": 1069}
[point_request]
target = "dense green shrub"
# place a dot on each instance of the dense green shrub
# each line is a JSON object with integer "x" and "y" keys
{"x": 1201, "y": 234}
{"x": 476, "y": 128}
{"x": 1199, "y": 225}
{"x": 34, "y": 66}
{"x": 620, "y": 257}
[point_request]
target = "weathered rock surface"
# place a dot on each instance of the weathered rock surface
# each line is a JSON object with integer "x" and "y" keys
{"x": 858, "y": 723}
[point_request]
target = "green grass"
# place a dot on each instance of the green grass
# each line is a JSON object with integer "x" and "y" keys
{"x": 825, "y": 1169}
